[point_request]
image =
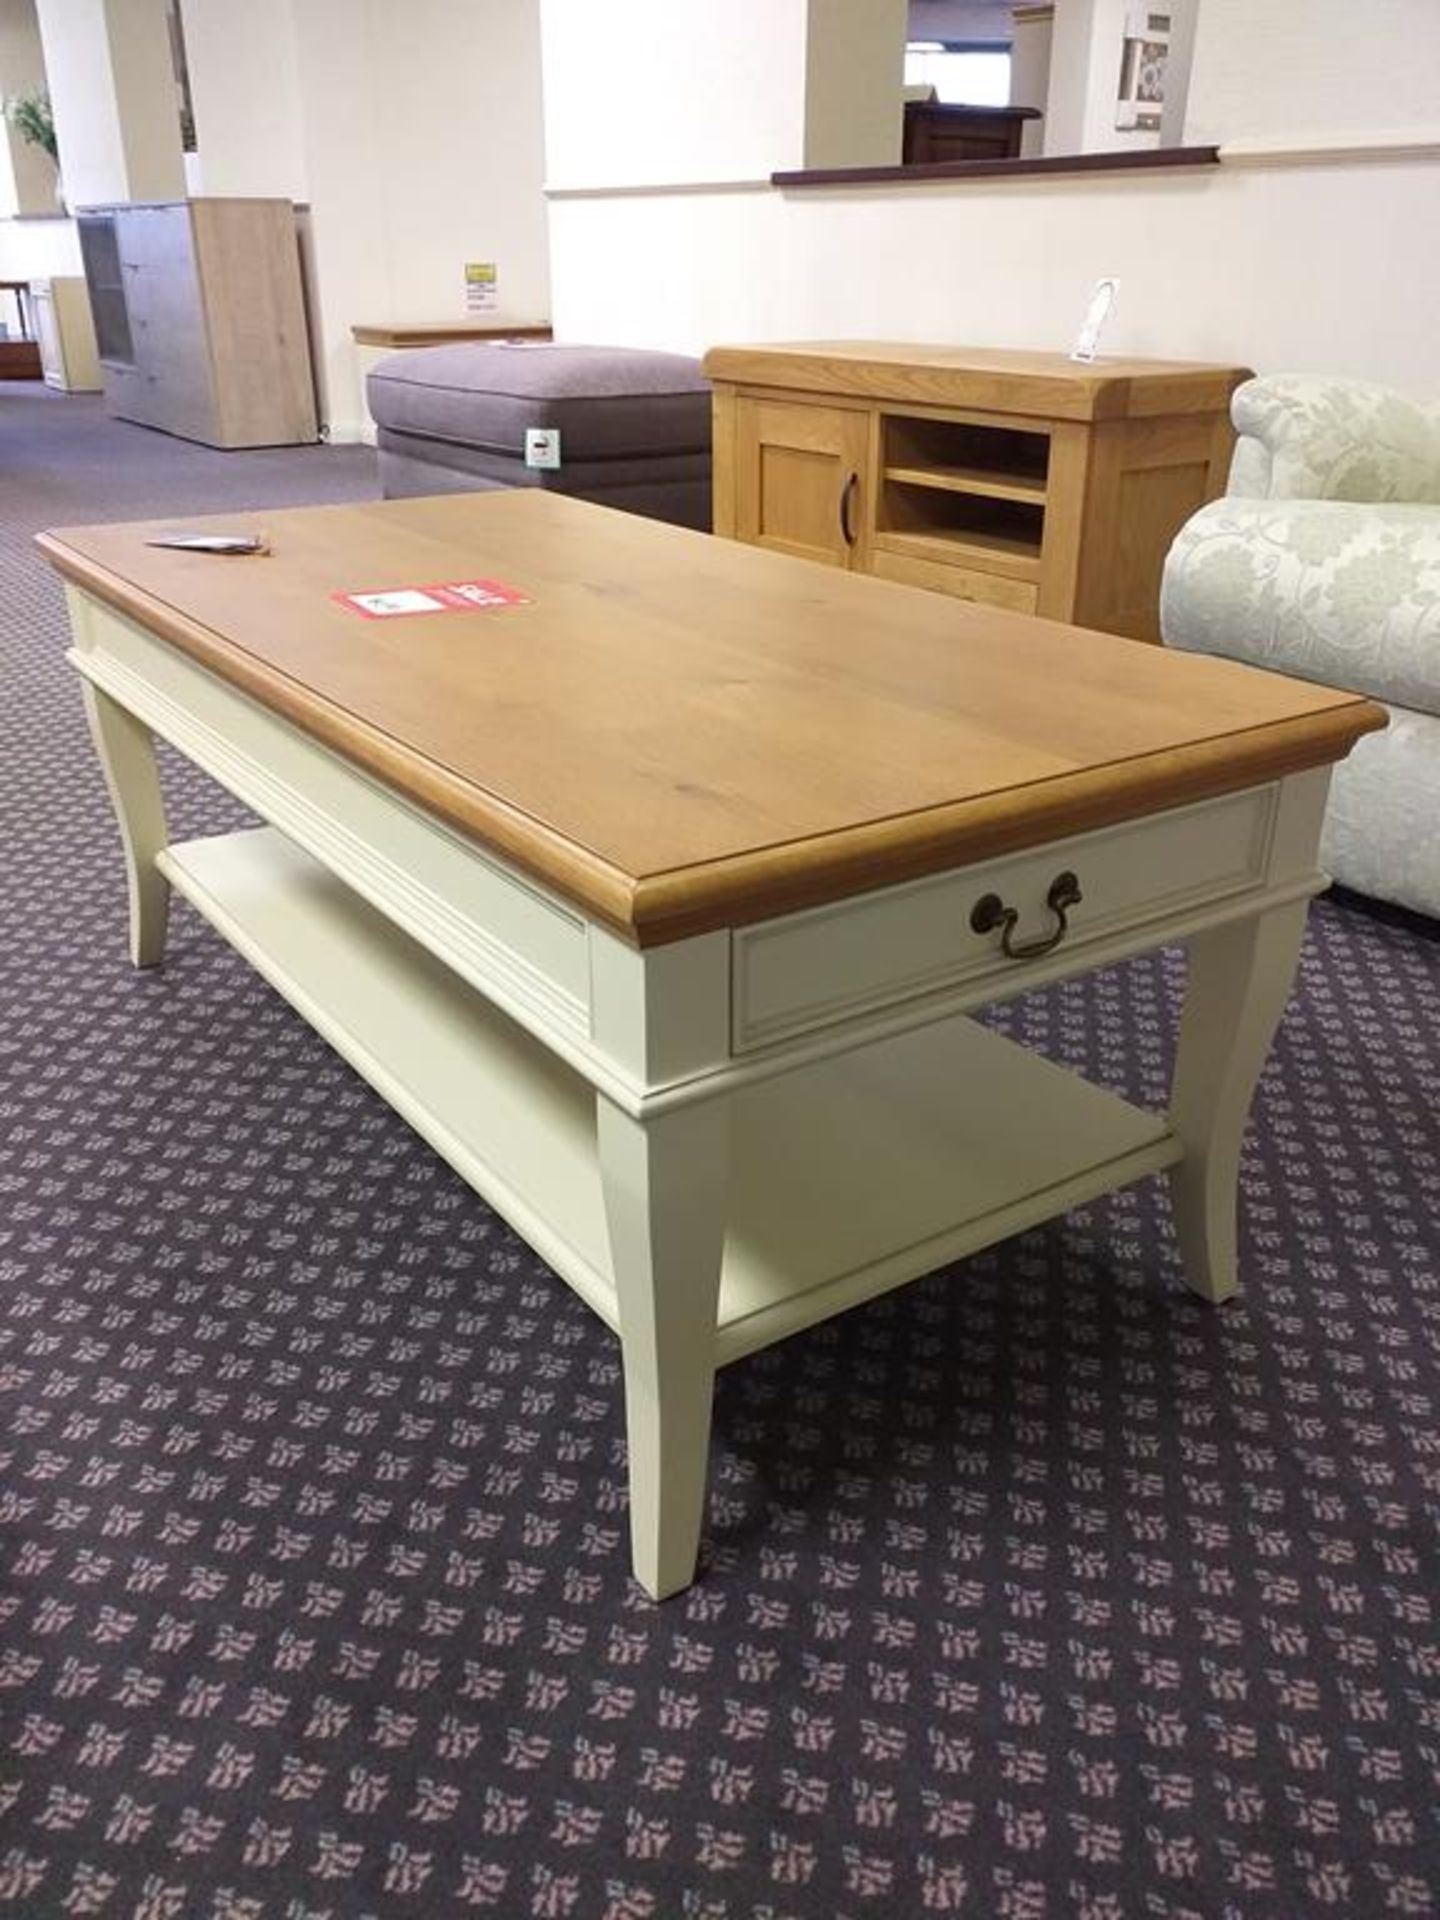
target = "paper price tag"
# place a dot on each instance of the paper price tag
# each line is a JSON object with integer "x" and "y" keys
{"x": 542, "y": 447}
{"x": 454, "y": 596}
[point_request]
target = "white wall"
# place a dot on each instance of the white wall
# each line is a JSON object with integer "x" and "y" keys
{"x": 1318, "y": 266}
{"x": 38, "y": 249}
{"x": 1237, "y": 266}
{"x": 1298, "y": 69}
{"x": 644, "y": 92}
{"x": 416, "y": 136}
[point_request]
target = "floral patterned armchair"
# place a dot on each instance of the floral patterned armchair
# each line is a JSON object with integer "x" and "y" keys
{"x": 1323, "y": 560}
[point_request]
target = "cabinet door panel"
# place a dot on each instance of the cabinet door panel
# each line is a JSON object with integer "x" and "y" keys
{"x": 172, "y": 349}
{"x": 800, "y": 478}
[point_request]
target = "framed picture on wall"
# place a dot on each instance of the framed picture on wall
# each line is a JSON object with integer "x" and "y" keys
{"x": 1143, "y": 53}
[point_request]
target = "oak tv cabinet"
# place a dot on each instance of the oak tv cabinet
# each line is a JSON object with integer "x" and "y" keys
{"x": 1026, "y": 480}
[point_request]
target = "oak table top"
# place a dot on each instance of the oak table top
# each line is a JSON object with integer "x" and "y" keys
{"x": 679, "y": 732}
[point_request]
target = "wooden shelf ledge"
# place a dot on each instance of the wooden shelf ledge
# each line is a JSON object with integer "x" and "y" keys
{"x": 397, "y": 334}
{"x": 986, "y": 482}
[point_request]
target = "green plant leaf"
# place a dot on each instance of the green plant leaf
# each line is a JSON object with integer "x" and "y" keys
{"x": 33, "y": 119}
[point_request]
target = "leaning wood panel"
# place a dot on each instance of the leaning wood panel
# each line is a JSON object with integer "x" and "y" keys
{"x": 248, "y": 261}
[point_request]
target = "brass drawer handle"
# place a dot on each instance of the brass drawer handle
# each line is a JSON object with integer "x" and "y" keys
{"x": 990, "y": 911}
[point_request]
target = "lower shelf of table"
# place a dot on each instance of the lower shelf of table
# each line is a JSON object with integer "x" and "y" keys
{"x": 850, "y": 1175}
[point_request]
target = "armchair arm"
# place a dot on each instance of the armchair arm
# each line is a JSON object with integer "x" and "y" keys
{"x": 1336, "y": 591}
{"x": 1303, "y": 437}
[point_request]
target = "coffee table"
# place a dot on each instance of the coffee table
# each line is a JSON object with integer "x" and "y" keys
{"x": 657, "y": 900}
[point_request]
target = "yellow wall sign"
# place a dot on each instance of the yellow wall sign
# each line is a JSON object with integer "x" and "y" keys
{"x": 482, "y": 286}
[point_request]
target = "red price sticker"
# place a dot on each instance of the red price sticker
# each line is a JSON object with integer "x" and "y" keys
{"x": 455, "y": 596}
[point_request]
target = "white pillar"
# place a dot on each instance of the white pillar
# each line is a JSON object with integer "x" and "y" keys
{"x": 1067, "y": 99}
{"x": 245, "y": 90}
{"x": 28, "y": 180}
{"x": 117, "y": 111}
{"x": 1030, "y": 72}
{"x": 854, "y": 70}
{"x": 1177, "y": 72}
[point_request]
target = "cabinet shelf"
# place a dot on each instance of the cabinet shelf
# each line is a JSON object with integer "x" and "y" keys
{"x": 994, "y": 533}
{"x": 1015, "y": 557}
{"x": 928, "y": 1177}
{"x": 976, "y": 480}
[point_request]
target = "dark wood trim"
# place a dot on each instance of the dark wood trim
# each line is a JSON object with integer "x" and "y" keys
{"x": 925, "y": 176}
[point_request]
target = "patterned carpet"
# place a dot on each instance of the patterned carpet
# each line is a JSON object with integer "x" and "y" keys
{"x": 1037, "y": 1590}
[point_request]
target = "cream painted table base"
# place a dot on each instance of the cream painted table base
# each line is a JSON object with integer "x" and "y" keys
{"x": 723, "y": 1139}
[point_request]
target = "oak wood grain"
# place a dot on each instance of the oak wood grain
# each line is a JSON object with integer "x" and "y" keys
{"x": 993, "y": 379}
{"x": 681, "y": 732}
{"x": 791, "y": 484}
{"x": 247, "y": 267}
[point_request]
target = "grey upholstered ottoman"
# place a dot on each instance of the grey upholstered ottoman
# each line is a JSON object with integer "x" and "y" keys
{"x": 631, "y": 428}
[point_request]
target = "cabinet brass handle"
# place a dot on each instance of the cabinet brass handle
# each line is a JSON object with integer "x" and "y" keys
{"x": 847, "y": 501}
{"x": 990, "y": 911}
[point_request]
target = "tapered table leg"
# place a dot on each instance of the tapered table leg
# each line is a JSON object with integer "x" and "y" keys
{"x": 126, "y": 752}
{"x": 1240, "y": 979}
{"x": 666, "y": 1184}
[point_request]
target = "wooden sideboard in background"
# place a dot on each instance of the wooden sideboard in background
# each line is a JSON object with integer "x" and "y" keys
{"x": 200, "y": 318}
{"x": 1027, "y": 480}
{"x": 936, "y": 131}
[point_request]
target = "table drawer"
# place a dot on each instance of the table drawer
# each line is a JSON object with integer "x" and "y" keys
{"x": 856, "y": 956}
{"x": 966, "y": 583}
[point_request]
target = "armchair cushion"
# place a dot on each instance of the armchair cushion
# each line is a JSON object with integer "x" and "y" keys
{"x": 1307, "y": 438}
{"x": 1381, "y": 833}
{"x": 1323, "y": 560}
{"x": 1333, "y": 591}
